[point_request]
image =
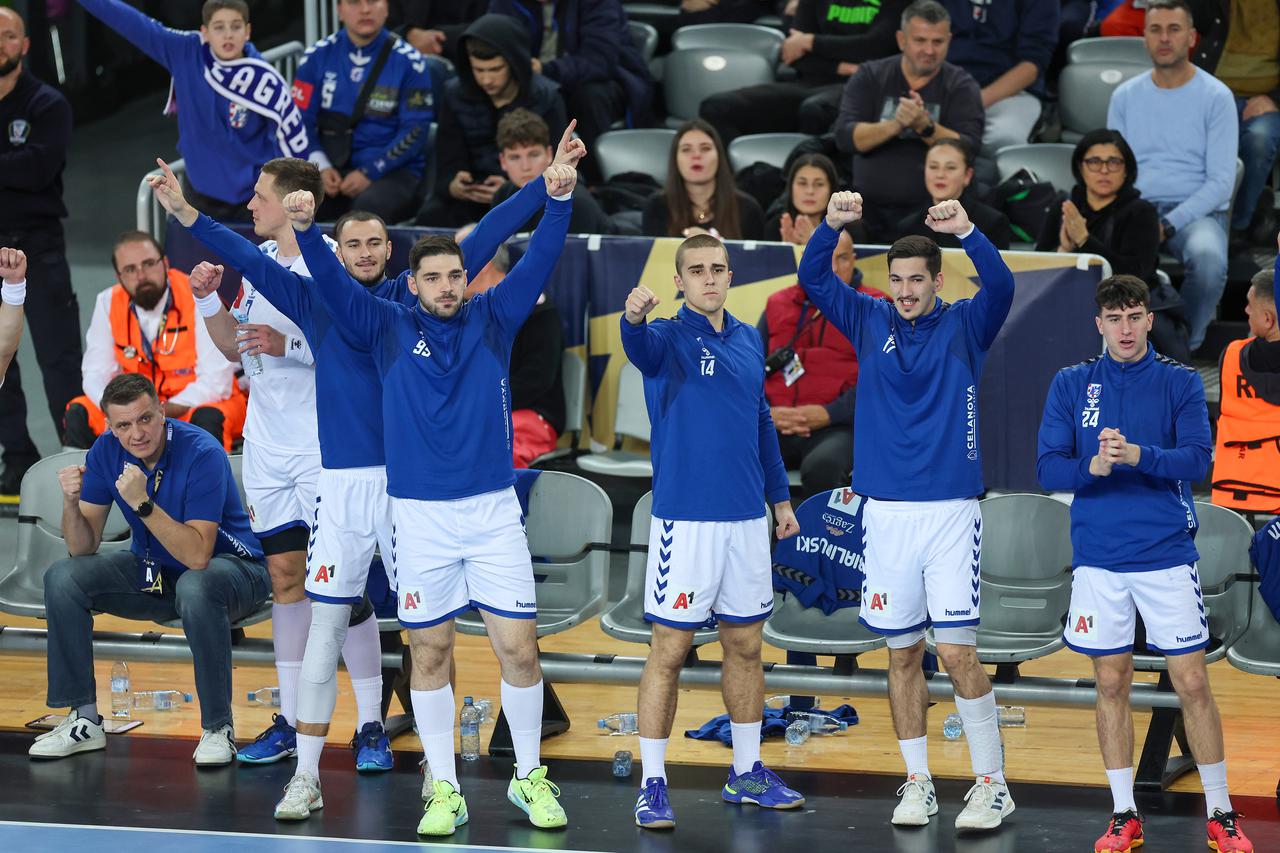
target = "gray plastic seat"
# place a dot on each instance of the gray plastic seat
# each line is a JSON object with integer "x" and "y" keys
{"x": 1127, "y": 49}
{"x": 569, "y": 525}
{"x": 625, "y": 620}
{"x": 645, "y": 37}
{"x": 573, "y": 378}
{"x": 765, "y": 42}
{"x": 692, "y": 75}
{"x": 644, "y": 150}
{"x": 1257, "y": 650}
{"x": 1048, "y": 161}
{"x": 771, "y": 148}
{"x": 631, "y": 420}
{"x": 1084, "y": 93}
{"x": 1025, "y": 579}
{"x": 797, "y": 628}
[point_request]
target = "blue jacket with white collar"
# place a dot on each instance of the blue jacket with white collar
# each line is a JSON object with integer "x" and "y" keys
{"x": 714, "y": 448}
{"x": 1139, "y": 518}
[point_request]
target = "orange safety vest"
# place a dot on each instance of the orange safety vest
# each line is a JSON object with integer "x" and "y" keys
{"x": 1246, "y": 460}
{"x": 170, "y": 360}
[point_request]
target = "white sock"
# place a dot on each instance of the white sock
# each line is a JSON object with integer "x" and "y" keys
{"x": 982, "y": 730}
{"x": 288, "y": 673}
{"x": 1121, "y": 782}
{"x": 434, "y": 712}
{"x": 1213, "y": 778}
{"x": 523, "y": 707}
{"x": 368, "y": 700}
{"x": 309, "y": 749}
{"x": 746, "y": 746}
{"x": 653, "y": 756}
{"x": 915, "y": 754}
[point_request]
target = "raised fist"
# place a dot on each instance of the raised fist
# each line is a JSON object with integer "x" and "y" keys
{"x": 300, "y": 207}
{"x": 13, "y": 265}
{"x": 844, "y": 208}
{"x": 639, "y": 303}
{"x": 560, "y": 178}
{"x": 947, "y": 217}
{"x": 205, "y": 278}
{"x": 70, "y": 479}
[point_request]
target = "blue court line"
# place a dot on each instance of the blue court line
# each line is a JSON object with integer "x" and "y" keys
{"x": 18, "y": 835}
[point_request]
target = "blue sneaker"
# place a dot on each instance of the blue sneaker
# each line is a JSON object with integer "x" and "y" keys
{"x": 653, "y": 809}
{"x": 372, "y": 749}
{"x": 762, "y": 787}
{"x": 279, "y": 741}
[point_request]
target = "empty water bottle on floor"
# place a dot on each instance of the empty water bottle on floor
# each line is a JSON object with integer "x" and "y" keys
{"x": 819, "y": 724}
{"x": 798, "y": 732}
{"x": 252, "y": 364}
{"x": 269, "y": 696}
{"x": 620, "y": 724}
{"x": 777, "y": 702}
{"x": 121, "y": 700}
{"x": 469, "y": 728}
{"x": 952, "y": 727}
{"x": 485, "y": 707}
{"x": 622, "y": 764}
{"x": 1011, "y": 716}
{"x": 159, "y": 700}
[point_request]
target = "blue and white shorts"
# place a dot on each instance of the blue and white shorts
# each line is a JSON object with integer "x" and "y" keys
{"x": 698, "y": 569}
{"x": 280, "y": 487}
{"x": 1101, "y": 620}
{"x": 352, "y": 516}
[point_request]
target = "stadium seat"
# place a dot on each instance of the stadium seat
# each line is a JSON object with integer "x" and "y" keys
{"x": 796, "y": 628}
{"x": 1048, "y": 161}
{"x": 631, "y": 420}
{"x": 644, "y": 150}
{"x": 625, "y": 620}
{"x": 692, "y": 75}
{"x": 573, "y": 377}
{"x": 771, "y": 148}
{"x": 1126, "y": 49}
{"x": 1257, "y": 650}
{"x": 1084, "y": 93}
{"x": 1026, "y": 578}
{"x": 765, "y": 42}
{"x": 645, "y": 37}
{"x": 569, "y": 526}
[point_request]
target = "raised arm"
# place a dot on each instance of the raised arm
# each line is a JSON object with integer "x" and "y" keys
{"x": 641, "y": 341}
{"x": 85, "y": 504}
{"x": 842, "y": 304}
{"x": 146, "y": 34}
{"x": 987, "y": 310}
{"x": 13, "y": 293}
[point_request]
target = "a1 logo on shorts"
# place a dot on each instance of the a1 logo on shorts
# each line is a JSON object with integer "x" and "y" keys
{"x": 324, "y": 574}
{"x": 410, "y": 600}
{"x": 1083, "y": 623}
{"x": 878, "y": 601}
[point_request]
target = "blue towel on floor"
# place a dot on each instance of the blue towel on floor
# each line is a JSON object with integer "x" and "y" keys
{"x": 774, "y": 723}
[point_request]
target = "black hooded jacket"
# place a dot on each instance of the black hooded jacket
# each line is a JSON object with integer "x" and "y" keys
{"x": 1125, "y": 232}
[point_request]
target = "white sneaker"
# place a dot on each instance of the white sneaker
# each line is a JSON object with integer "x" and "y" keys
{"x": 217, "y": 747}
{"x": 986, "y": 804}
{"x": 74, "y": 734}
{"x": 919, "y": 802}
{"x": 301, "y": 798}
{"x": 428, "y": 787}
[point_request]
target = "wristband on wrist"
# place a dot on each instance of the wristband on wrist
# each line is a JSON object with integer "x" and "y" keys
{"x": 14, "y": 294}
{"x": 209, "y": 306}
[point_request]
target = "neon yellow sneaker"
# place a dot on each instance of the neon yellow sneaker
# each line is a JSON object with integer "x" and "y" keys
{"x": 536, "y": 797}
{"x": 445, "y": 811}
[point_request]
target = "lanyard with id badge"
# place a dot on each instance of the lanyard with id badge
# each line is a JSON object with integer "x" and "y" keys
{"x": 150, "y": 574}
{"x": 785, "y": 358}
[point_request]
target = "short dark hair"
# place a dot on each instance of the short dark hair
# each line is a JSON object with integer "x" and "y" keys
{"x": 1173, "y": 4}
{"x": 698, "y": 241}
{"x": 478, "y": 48}
{"x": 357, "y": 216}
{"x": 1105, "y": 136}
{"x": 916, "y": 247}
{"x": 522, "y": 127}
{"x": 1122, "y": 291}
{"x": 1264, "y": 285}
{"x": 212, "y": 7}
{"x": 133, "y": 237}
{"x": 291, "y": 174}
{"x": 124, "y": 388}
{"x": 930, "y": 11}
{"x": 432, "y": 246}
{"x": 959, "y": 144}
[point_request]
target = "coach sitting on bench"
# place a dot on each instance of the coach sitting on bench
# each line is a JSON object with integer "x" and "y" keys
{"x": 193, "y": 556}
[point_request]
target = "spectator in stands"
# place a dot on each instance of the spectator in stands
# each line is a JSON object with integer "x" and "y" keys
{"x": 810, "y": 183}
{"x": 192, "y": 557}
{"x": 13, "y": 292}
{"x": 1181, "y": 123}
{"x": 948, "y": 172}
{"x": 147, "y": 323}
{"x": 375, "y": 164}
{"x": 586, "y": 47}
{"x": 1106, "y": 214}
{"x": 495, "y": 76}
{"x": 894, "y": 108}
{"x": 1006, "y": 46}
{"x": 33, "y": 150}
{"x": 700, "y": 196}
{"x": 433, "y": 26}
{"x": 828, "y": 39}
{"x": 524, "y": 152}
{"x": 225, "y": 136}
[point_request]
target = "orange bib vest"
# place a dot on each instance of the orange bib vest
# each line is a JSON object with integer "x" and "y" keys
{"x": 1246, "y": 460}
{"x": 170, "y": 360}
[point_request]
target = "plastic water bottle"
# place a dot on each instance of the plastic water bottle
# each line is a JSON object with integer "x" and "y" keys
{"x": 819, "y": 724}
{"x": 777, "y": 702}
{"x": 269, "y": 696}
{"x": 1011, "y": 716}
{"x": 252, "y": 364}
{"x": 798, "y": 732}
{"x": 121, "y": 700}
{"x": 485, "y": 707}
{"x": 469, "y": 727}
{"x": 952, "y": 727}
{"x": 622, "y": 764}
{"x": 620, "y": 724}
{"x": 158, "y": 700}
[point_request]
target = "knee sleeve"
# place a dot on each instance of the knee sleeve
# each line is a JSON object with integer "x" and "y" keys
{"x": 905, "y": 641}
{"x": 318, "y": 687}
{"x": 965, "y": 635}
{"x": 291, "y": 539}
{"x": 210, "y": 420}
{"x": 361, "y": 611}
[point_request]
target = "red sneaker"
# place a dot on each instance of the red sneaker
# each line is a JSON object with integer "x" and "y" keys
{"x": 1124, "y": 833}
{"x": 1225, "y": 834}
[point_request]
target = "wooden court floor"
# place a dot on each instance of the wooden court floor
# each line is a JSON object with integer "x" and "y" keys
{"x": 1057, "y": 745}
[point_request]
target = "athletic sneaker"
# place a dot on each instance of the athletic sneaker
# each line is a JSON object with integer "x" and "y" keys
{"x": 919, "y": 802}
{"x": 372, "y": 749}
{"x": 762, "y": 787}
{"x": 301, "y": 798}
{"x": 536, "y": 796}
{"x": 653, "y": 809}
{"x": 445, "y": 811}
{"x": 1225, "y": 833}
{"x": 986, "y": 804}
{"x": 1123, "y": 835}
{"x": 280, "y": 740}
{"x": 217, "y": 747}
{"x": 74, "y": 734}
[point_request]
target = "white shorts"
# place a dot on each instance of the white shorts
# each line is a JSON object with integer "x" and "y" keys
{"x": 705, "y": 570}
{"x": 281, "y": 488}
{"x": 452, "y": 556}
{"x": 922, "y": 561}
{"x": 1101, "y": 620}
{"x": 352, "y": 516}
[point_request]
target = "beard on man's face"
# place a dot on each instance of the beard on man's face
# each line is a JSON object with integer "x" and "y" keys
{"x": 8, "y": 66}
{"x": 148, "y": 295}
